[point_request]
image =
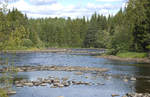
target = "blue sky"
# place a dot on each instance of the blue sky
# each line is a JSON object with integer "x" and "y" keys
{"x": 66, "y": 8}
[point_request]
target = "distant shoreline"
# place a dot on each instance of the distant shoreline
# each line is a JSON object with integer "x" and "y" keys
{"x": 36, "y": 50}
{"x": 138, "y": 60}
{"x": 55, "y": 50}
{"x": 70, "y": 50}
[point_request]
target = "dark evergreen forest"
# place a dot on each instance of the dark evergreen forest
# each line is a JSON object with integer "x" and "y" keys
{"x": 128, "y": 30}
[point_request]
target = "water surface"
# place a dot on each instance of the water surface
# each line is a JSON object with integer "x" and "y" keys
{"x": 112, "y": 85}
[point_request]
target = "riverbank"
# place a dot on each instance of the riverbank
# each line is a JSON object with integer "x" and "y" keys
{"x": 129, "y": 56}
{"x": 35, "y": 50}
{"x": 137, "y": 60}
{"x": 90, "y": 51}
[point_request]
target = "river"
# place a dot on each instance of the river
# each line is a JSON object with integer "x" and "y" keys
{"x": 112, "y": 85}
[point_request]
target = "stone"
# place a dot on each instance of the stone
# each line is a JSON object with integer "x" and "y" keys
{"x": 78, "y": 73}
{"x": 56, "y": 81}
{"x": 133, "y": 79}
{"x": 113, "y": 95}
{"x": 65, "y": 83}
{"x": 28, "y": 84}
{"x": 61, "y": 85}
{"x": 100, "y": 84}
{"x": 43, "y": 84}
{"x": 20, "y": 70}
{"x": 46, "y": 81}
{"x": 16, "y": 82}
{"x": 56, "y": 84}
{"x": 125, "y": 80}
{"x": 11, "y": 92}
{"x": 19, "y": 85}
{"x": 50, "y": 76}
{"x": 137, "y": 95}
{"x": 65, "y": 79}
{"x": 53, "y": 87}
{"x": 36, "y": 84}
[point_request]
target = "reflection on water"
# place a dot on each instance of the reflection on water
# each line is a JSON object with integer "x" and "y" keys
{"x": 112, "y": 86}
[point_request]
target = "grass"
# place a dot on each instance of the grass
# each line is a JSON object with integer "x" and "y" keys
{"x": 132, "y": 55}
{"x": 3, "y": 93}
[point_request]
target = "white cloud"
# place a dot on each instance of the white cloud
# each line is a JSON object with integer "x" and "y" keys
{"x": 109, "y": 0}
{"x": 58, "y": 10}
{"x": 104, "y": 6}
{"x": 42, "y": 2}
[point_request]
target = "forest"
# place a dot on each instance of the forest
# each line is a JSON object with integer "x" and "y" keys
{"x": 128, "y": 30}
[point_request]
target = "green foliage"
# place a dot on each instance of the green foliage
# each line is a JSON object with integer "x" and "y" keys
{"x": 148, "y": 47}
{"x": 27, "y": 43}
{"x": 138, "y": 15}
{"x": 131, "y": 55}
{"x": 3, "y": 93}
{"x": 128, "y": 30}
{"x": 103, "y": 39}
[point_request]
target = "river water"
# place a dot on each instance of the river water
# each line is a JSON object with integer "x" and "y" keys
{"x": 112, "y": 85}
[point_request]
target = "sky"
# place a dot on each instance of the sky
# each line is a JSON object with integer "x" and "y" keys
{"x": 66, "y": 8}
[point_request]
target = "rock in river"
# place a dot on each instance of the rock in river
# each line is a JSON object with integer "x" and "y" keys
{"x": 19, "y": 85}
{"x": 11, "y": 92}
{"x": 113, "y": 95}
{"x": 28, "y": 84}
{"x": 137, "y": 95}
{"x": 133, "y": 79}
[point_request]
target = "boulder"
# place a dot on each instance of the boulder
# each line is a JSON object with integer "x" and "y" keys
{"x": 28, "y": 84}
{"x": 113, "y": 95}
{"x": 19, "y": 85}
{"x": 11, "y": 92}
{"x": 43, "y": 84}
{"x": 133, "y": 79}
{"x": 125, "y": 80}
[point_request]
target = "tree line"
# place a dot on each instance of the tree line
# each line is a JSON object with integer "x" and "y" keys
{"x": 128, "y": 30}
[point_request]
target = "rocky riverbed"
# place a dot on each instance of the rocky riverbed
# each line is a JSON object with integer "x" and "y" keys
{"x": 52, "y": 82}
{"x": 55, "y": 68}
{"x": 56, "y": 82}
{"x": 137, "y": 95}
{"x": 62, "y": 74}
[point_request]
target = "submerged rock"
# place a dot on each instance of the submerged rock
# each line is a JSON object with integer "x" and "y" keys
{"x": 78, "y": 73}
{"x": 28, "y": 84}
{"x": 113, "y": 95}
{"x": 133, "y": 79}
{"x": 65, "y": 78}
{"x": 36, "y": 83}
{"x": 19, "y": 85}
{"x": 11, "y": 92}
{"x": 137, "y": 95}
{"x": 53, "y": 87}
{"x": 57, "y": 68}
{"x": 53, "y": 82}
{"x": 43, "y": 84}
{"x": 66, "y": 84}
{"x": 125, "y": 80}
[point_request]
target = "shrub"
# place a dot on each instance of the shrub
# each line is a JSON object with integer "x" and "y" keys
{"x": 27, "y": 43}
